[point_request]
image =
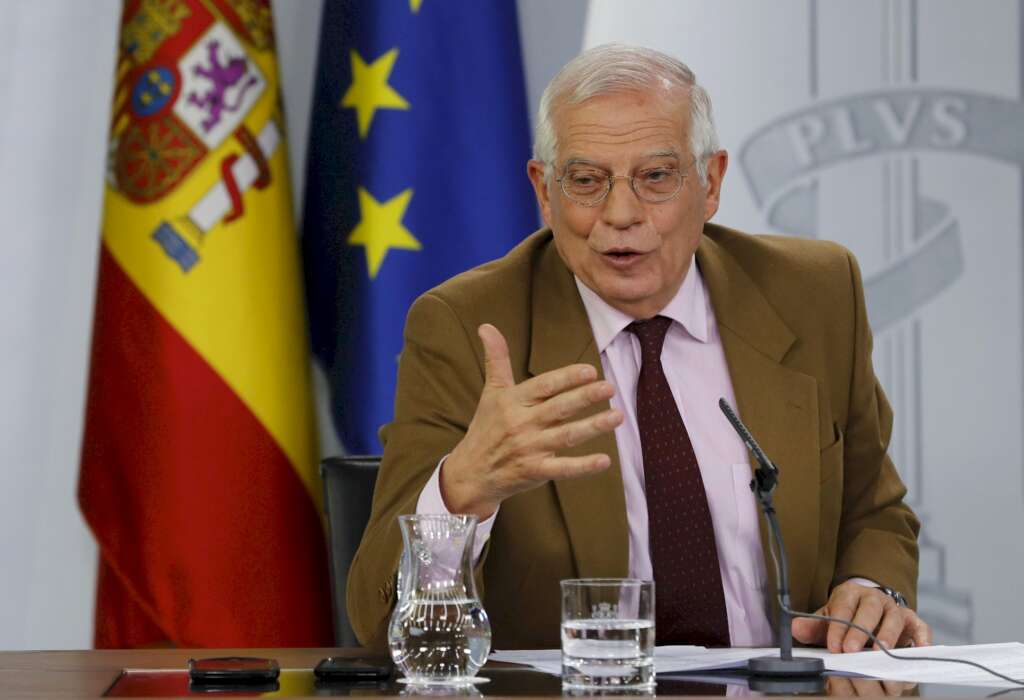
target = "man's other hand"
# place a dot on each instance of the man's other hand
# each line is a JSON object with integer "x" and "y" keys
{"x": 868, "y": 607}
{"x": 512, "y": 442}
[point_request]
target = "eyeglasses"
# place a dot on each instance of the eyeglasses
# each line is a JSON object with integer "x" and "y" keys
{"x": 589, "y": 186}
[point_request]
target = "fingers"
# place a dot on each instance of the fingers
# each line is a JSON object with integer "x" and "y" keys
{"x": 923, "y": 636}
{"x": 871, "y": 608}
{"x": 576, "y": 432}
{"x": 807, "y": 630}
{"x": 841, "y": 604}
{"x": 916, "y": 632}
{"x": 562, "y": 407}
{"x": 544, "y": 386}
{"x": 575, "y": 467}
{"x": 891, "y": 629}
{"x": 497, "y": 365}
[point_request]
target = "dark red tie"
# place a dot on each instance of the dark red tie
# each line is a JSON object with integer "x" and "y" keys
{"x": 689, "y": 603}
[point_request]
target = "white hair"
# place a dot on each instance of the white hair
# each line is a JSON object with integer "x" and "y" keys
{"x": 614, "y": 68}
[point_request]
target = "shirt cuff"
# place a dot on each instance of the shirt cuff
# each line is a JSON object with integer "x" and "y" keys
{"x": 864, "y": 582}
{"x": 432, "y": 503}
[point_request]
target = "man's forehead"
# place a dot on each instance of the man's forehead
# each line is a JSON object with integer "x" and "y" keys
{"x": 593, "y": 144}
{"x": 641, "y": 122}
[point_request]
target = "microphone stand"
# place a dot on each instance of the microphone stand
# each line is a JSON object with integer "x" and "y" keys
{"x": 804, "y": 671}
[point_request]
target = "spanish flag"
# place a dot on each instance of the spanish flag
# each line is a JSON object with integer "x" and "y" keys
{"x": 199, "y": 458}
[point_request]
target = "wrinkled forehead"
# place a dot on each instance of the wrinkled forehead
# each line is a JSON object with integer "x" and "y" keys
{"x": 637, "y": 122}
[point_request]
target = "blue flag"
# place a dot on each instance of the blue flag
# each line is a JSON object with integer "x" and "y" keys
{"x": 416, "y": 171}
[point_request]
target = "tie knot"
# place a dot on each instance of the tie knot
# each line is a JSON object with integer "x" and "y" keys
{"x": 651, "y": 333}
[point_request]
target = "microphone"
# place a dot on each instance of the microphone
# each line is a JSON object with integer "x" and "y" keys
{"x": 766, "y": 478}
{"x": 767, "y": 474}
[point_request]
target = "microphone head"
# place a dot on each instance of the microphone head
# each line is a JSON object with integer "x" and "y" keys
{"x": 729, "y": 413}
{"x": 747, "y": 438}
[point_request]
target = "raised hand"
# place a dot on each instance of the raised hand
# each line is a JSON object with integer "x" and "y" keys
{"x": 513, "y": 440}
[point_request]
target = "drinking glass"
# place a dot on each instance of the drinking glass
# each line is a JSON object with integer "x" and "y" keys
{"x": 607, "y": 633}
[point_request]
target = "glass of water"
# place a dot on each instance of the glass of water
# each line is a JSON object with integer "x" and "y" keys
{"x": 607, "y": 633}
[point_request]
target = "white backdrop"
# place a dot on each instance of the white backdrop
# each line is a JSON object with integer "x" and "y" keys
{"x": 952, "y": 363}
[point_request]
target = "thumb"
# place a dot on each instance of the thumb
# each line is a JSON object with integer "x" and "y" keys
{"x": 497, "y": 365}
{"x": 809, "y": 631}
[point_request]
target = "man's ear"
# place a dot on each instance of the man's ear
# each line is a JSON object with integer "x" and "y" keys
{"x": 717, "y": 165}
{"x": 535, "y": 170}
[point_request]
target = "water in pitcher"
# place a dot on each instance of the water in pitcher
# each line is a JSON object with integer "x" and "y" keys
{"x": 441, "y": 640}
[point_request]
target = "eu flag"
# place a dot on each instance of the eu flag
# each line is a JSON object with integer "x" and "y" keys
{"x": 415, "y": 172}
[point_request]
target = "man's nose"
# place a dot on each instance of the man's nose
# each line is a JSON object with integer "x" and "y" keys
{"x": 622, "y": 208}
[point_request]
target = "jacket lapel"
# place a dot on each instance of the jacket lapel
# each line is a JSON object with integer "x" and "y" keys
{"x": 594, "y": 507}
{"x": 778, "y": 404}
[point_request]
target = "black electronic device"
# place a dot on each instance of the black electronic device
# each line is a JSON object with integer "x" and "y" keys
{"x": 233, "y": 670}
{"x": 354, "y": 668}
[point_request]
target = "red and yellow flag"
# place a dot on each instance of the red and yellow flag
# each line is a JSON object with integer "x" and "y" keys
{"x": 199, "y": 457}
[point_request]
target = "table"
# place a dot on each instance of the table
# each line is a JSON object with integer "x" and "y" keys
{"x": 89, "y": 673}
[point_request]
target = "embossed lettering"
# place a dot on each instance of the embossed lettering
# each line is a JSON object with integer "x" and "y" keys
{"x": 949, "y": 113}
{"x": 804, "y": 134}
{"x": 898, "y": 128}
{"x": 848, "y": 139}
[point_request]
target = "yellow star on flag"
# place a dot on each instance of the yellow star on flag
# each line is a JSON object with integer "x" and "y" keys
{"x": 381, "y": 228}
{"x": 370, "y": 91}
{"x": 414, "y": 5}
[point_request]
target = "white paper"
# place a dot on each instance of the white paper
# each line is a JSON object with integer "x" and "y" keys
{"x": 1006, "y": 658}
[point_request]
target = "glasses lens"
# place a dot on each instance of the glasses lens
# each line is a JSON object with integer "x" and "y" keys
{"x": 585, "y": 185}
{"x": 658, "y": 184}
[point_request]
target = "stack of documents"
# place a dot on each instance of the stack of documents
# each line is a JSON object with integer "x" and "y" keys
{"x": 1007, "y": 659}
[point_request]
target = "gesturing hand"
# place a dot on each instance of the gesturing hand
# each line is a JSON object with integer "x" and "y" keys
{"x": 868, "y": 607}
{"x": 512, "y": 442}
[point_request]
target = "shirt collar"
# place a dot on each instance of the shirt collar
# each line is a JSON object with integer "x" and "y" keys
{"x": 688, "y": 308}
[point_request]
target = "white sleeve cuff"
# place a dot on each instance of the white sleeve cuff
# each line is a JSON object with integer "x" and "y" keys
{"x": 431, "y": 502}
{"x": 864, "y": 582}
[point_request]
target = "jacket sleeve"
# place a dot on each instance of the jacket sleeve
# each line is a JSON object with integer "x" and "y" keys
{"x": 878, "y": 531}
{"x": 440, "y": 377}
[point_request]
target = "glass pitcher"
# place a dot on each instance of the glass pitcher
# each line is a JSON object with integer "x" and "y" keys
{"x": 439, "y": 632}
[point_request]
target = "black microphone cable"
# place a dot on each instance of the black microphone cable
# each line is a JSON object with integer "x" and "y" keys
{"x": 878, "y": 644}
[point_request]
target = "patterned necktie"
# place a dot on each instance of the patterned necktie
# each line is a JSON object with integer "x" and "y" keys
{"x": 689, "y": 602}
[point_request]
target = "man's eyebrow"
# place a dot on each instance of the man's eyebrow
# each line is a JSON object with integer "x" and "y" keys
{"x": 582, "y": 161}
{"x": 662, "y": 154}
{"x": 576, "y": 160}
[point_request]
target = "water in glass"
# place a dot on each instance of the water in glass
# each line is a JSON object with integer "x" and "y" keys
{"x": 607, "y": 633}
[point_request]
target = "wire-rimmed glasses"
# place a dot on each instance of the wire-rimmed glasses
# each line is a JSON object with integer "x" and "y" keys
{"x": 589, "y": 186}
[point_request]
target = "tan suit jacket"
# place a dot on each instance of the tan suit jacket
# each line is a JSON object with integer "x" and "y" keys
{"x": 798, "y": 346}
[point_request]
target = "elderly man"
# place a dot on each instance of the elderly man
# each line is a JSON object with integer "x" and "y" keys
{"x": 567, "y": 395}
